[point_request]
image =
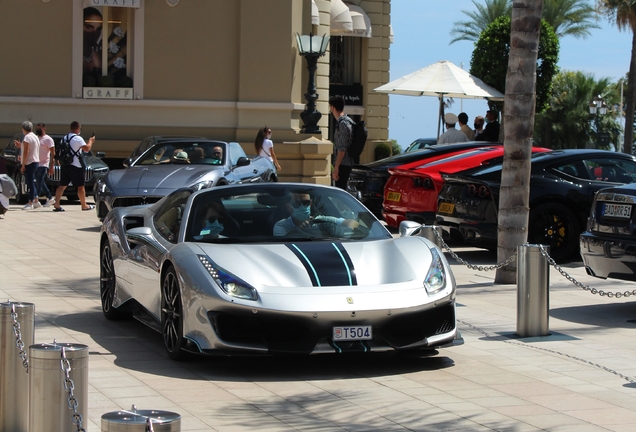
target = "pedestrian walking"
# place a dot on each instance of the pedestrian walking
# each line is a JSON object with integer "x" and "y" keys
{"x": 46, "y": 165}
{"x": 265, "y": 147}
{"x": 74, "y": 173}
{"x": 343, "y": 163}
{"x": 30, "y": 158}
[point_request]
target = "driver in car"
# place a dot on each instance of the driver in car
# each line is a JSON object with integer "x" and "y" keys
{"x": 302, "y": 223}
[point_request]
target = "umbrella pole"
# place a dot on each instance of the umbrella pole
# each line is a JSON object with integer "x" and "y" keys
{"x": 441, "y": 110}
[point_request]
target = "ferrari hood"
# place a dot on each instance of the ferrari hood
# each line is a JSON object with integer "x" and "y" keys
{"x": 324, "y": 263}
{"x": 158, "y": 177}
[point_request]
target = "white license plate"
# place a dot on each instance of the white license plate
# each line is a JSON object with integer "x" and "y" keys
{"x": 351, "y": 333}
{"x": 617, "y": 210}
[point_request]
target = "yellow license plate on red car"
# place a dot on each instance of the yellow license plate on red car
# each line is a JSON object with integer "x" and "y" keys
{"x": 446, "y": 208}
{"x": 393, "y": 196}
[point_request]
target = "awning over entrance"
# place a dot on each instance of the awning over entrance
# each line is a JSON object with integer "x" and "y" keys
{"x": 315, "y": 14}
{"x": 341, "y": 22}
{"x": 349, "y": 20}
{"x": 361, "y": 21}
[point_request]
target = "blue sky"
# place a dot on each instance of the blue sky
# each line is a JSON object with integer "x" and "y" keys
{"x": 421, "y": 31}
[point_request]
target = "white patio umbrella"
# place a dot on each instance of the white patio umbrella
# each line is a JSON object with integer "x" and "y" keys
{"x": 441, "y": 79}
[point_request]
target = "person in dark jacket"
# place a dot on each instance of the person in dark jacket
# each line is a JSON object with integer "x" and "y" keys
{"x": 491, "y": 131}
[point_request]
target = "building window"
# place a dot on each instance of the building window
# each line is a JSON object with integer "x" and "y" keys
{"x": 107, "y": 52}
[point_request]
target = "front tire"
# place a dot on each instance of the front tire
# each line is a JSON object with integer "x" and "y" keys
{"x": 107, "y": 283}
{"x": 172, "y": 315}
{"x": 556, "y": 226}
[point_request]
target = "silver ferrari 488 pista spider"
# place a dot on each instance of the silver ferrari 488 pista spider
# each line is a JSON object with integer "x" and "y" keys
{"x": 274, "y": 268}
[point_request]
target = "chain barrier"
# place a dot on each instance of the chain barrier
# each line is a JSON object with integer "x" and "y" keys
{"x": 69, "y": 386}
{"x": 550, "y": 351}
{"x": 602, "y": 293}
{"x": 18, "y": 338}
{"x": 550, "y": 260}
{"x": 469, "y": 265}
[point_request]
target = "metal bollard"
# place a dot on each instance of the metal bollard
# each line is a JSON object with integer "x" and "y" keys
{"x": 427, "y": 231}
{"x": 16, "y": 335}
{"x": 141, "y": 421}
{"x": 533, "y": 280}
{"x": 51, "y": 398}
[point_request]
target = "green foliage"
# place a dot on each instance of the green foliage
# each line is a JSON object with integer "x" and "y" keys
{"x": 567, "y": 123}
{"x": 395, "y": 147}
{"x": 382, "y": 151}
{"x": 567, "y": 17}
{"x": 479, "y": 20}
{"x": 490, "y": 58}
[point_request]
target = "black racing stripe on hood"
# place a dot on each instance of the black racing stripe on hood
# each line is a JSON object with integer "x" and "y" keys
{"x": 327, "y": 263}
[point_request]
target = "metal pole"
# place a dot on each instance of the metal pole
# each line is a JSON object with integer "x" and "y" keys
{"x": 428, "y": 232}
{"x": 49, "y": 399}
{"x": 17, "y": 330}
{"x": 533, "y": 280}
{"x": 141, "y": 421}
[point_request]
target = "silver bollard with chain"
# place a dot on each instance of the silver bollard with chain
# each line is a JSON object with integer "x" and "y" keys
{"x": 533, "y": 281}
{"x": 17, "y": 330}
{"x": 58, "y": 387}
{"x": 141, "y": 421}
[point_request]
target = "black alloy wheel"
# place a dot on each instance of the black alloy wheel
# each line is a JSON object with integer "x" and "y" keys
{"x": 107, "y": 283}
{"x": 171, "y": 315}
{"x": 556, "y": 226}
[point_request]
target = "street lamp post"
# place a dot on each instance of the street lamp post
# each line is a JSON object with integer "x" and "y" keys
{"x": 311, "y": 47}
{"x": 597, "y": 108}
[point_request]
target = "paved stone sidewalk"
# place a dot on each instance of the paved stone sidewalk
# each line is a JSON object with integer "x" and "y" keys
{"x": 582, "y": 377}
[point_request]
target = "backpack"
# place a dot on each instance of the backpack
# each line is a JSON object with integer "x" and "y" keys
{"x": 359, "y": 135}
{"x": 64, "y": 152}
{"x": 7, "y": 186}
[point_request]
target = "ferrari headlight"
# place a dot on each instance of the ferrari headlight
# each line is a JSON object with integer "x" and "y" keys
{"x": 203, "y": 185}
{"x": 103, "y": 188}
{"x": 230, "y": 284}
{"x": 436, "y": 277}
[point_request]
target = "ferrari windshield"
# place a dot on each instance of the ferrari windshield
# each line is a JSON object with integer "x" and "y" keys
{"x": 189, "y": 152}
{"x": 278, "y": 213}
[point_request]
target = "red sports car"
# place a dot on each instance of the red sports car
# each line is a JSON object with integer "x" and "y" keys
{"x": 411, "y": 192}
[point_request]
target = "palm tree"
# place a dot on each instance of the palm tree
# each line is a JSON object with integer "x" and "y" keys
{"x": 570, "y": 17}
{"x": 566, "y": 123}
{"x": 567, "y": 17}
{"x": 485, "y": 15}
{"x": 623, "y": 12}
{"x": 519, "y": 104}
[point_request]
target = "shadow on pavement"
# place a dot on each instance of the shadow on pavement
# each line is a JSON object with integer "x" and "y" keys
{"x": 611, "y": 315}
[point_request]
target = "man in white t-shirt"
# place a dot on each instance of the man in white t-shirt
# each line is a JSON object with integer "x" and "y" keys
{"x": 451, "y": 135}
{"x": 74, "y": 173}
{"x": 47, "y": 155}
{"x": 30, "y": 158}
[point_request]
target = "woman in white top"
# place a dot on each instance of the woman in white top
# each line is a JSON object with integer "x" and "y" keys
{"x": 265, "y": 147}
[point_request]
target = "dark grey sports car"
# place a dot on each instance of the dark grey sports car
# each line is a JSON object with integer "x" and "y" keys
{"x": 173, "y": 163}
{"x": 608, "y": 247}
{"x": 562, "y": 187}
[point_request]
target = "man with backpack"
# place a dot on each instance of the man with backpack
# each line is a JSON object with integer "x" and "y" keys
{"x": 72, "y": 168}
{"x": 342, "y": 141}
